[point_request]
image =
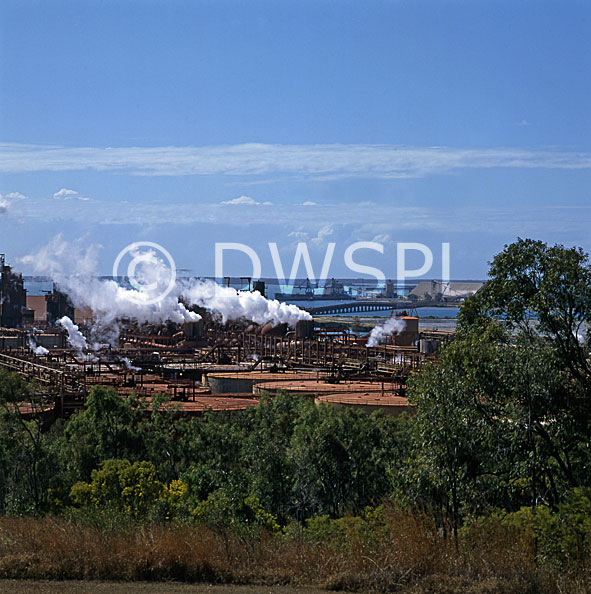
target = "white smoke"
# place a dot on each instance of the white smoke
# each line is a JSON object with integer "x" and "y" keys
{"x": 75, "y": 337}
{"x": 380, "y": 333}
{"x": 234, "y": 305}
{"x": 73, "y": 267}
{"x": 128, "y": 365}
{"x": 37, "y": 350}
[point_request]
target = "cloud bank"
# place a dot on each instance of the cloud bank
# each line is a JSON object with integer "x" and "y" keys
{"x": 321, "y": 161}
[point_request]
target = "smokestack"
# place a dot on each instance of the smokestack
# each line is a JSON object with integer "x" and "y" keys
{"x": 259, "y": 286}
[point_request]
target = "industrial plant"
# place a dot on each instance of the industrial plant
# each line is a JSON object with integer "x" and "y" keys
{"x": 206, "y": 362}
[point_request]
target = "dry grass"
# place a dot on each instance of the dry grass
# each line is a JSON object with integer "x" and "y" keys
{"x": 56, "y": 549}
{"x": 88, "y": 587}
{"x": 408, "y": 554}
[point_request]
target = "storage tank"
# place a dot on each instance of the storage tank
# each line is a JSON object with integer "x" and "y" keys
{"x": 221, "y": 383}
{"x": 193, "y": 330}
{"x": 410, "y": 334}
{"x": 56, "y": 340}
{"x": 368, "y": 402}
{"x": 304, "y": 329}
{"x": 279, "y": 330}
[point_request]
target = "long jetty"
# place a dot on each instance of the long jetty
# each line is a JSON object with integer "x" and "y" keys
{"x": 369, "y": 305}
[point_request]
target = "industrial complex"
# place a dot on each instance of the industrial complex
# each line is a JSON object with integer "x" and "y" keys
{"x": 206, "y": 364}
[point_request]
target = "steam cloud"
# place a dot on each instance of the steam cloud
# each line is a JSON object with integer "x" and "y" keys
{"x": 380, "y": 333}
{"x": 37, "y": 350}
{"x": 233, "y": 305}
{"x": 75, "y": 337}
{"x": 127, "y": 363}
{"x": 73, "y": 267}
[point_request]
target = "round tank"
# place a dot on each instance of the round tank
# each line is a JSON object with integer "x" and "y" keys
{"x": 245, "y": 382}
{"x": 304, "y": 329}
{"x": 368, "y": 402}
{"x": 312, "y": 387}
{"x": 270, "y": 330}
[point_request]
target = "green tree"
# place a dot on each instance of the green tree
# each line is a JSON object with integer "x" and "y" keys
{"x": 26, "y": 464}
{"x": 508, "y": 405}
{"x": 121, "y": 485}
{"x": 105, "y": 429}
{"x": 461, "y": 443}
{"x": 530, "y": 281}
{"x": 541, "y": 296}
{"x": 267, "y": 451}
{"x": 341, "y": 460}
{"x": 217, "y": 458}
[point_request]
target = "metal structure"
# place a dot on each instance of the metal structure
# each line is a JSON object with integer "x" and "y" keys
{"x": 366, "y": 305}
{"x": 13, "y": 296}
{"x": 175, "y": 359}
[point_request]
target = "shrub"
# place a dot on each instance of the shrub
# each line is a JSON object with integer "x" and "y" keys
{"x": 128, "y": 487}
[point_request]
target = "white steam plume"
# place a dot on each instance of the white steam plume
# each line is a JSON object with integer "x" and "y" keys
{"x": 127, "y": 363}
{"x": 233, "y": 305}
{"x": 38, "y": 350}
{"x": 75, "y": 337}
{"x": 380, "y": 333}
{"x": 73, "y": 267}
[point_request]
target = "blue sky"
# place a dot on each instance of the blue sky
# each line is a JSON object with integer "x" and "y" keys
{"x": 192, "y": 122}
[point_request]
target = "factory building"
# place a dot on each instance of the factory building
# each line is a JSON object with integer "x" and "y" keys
{"x": 58, "y": 306}
{"x": 13, "y": 296}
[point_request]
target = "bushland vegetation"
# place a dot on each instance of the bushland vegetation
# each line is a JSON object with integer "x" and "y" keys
{"x": 486, "y": 488}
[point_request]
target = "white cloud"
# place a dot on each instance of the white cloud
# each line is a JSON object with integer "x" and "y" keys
{"x": 365, "y": 223}
{"x": 15, "y": 196}
{"x": 65, "y": 194}
{"x": 323, "y": 235}
{"x": 319, "y": 162}
{"x": 6, "y": 198}
{"x": 382, "y": 238}
{"x": 309, "y": 203}
{"x": 523, "y": 123}
{"x": 299, "y": 235}
{"x": 245, "y": 201}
